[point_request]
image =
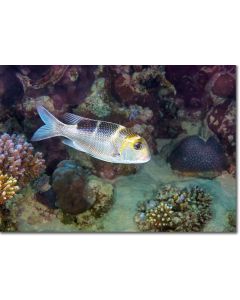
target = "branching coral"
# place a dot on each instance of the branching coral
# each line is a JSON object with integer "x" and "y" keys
{"x": 160, "y": 217}
{"x": 175, "y": 209}
{"x": 17, "y": 159}
{"x": 8, "y": 187}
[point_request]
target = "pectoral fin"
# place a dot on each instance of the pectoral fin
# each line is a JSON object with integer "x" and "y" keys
{"x": 115, "y": 153}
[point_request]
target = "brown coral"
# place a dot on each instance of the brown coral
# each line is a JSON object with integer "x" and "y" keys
{"x": 8, "y": 187}
{"x": 160, "y": 217}
{"x": 175, "y": 210}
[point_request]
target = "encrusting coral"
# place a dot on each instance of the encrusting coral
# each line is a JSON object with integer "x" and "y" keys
{"x": 196, "y": 157}
{"x": 18, "y": 160}
{"x": 137, "y": 84}
{"x": 175, "y": 210}
{"x": 8, "y": 187}
{"x": 97, "y": 103}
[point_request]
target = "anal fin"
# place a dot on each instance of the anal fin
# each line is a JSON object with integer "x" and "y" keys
{"x": 72, "y": 144}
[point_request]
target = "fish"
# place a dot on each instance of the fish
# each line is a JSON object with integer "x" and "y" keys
{"x": 103, "y": 140}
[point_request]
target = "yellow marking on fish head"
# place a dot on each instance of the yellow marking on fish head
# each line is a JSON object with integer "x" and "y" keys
{"x": 130, "y": 141}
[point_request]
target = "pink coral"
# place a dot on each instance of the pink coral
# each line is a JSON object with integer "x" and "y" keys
{"x": 222, "y": 121}
{"x": 17, "y": 158}
{"x": 221, "y": 86}
{"x": 199, "y": 86}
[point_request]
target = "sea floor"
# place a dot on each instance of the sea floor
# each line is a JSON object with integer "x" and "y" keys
{"x": 141, "y": 186}
{"x": 128, "y": 191}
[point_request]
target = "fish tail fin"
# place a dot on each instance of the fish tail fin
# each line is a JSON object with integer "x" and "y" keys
{"x": 51, "y": 128}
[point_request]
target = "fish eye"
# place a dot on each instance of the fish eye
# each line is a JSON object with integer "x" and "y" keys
{"x": 138, "y": 146}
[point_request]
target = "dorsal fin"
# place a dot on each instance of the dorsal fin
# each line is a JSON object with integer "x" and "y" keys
{"x": 71, "y": 119}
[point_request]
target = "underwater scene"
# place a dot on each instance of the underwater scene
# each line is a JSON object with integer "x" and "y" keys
{"x": 118, "y": 148}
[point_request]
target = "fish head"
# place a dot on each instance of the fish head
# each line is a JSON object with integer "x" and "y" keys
{"x": 135, "y": 150}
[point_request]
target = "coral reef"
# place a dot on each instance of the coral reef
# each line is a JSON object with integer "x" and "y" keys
{"x": 231, "y": 217}
{"x": 221, "y": 85}
{"x": 64, "y": 85}
{"x": 187, "y": 115}
{"x": 75, "y": 85}
{"x": 137, "y": 112}
{"x": 27, "y": 107}
{"x": 189, "y": 82}
{"x": 11, "y": 88}
{"x": 97, "y": 103}
{"x": 6, "y": 222}
{"x": 175, "y": 210}
{"x": 17, "y": 159}
{"x": 137, "y": 84}
{"x": 144, "y": 90}
{"x": 50, "y": 75}
{"x": 158, "y": 218}
{"x": 77, "y": 191}
{"x": 100, "y": 193}
{"x": 111, "y": 171}
{"x": 42, "y": 184}
{"x": 197, "y": 157}
{"x": 69, "y": 184}
{"x": 8, "y": 187}
{"x": 198, "y": 86}
{"x": 28, "y": 214}
{"x": 222, "y": 121}
{"x": 206, "y": 92}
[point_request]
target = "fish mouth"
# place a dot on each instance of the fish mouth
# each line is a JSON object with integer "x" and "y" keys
{"x": 145, "y": 159}
{"x": 140, "y": 160}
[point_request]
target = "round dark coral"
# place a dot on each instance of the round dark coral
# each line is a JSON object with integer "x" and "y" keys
{"x": 193, "y": 154}
{"x": 69, "y": 185}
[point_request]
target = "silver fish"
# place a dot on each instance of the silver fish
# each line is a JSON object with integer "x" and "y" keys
{"x": 103, "y": 140}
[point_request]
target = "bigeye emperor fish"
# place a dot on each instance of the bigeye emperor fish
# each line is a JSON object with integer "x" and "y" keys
{"x": 106, "y": 141}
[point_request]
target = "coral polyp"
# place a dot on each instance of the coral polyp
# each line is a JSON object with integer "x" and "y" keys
{"x": 160, "y": 217}
{"x": 8, "y": 187}
{"x": 17, "y": 158}
{"x": 175, "y": 210}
